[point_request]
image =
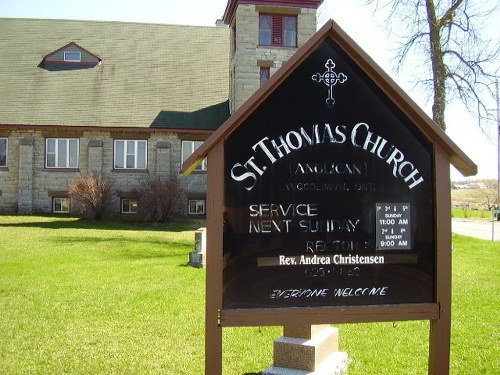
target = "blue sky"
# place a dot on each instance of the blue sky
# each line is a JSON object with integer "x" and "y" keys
{"x": 357, "y": 20}
{"x": 188, "y": 12}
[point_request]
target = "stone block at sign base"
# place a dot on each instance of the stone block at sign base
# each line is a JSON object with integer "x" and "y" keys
{"x": 308, "y": 350}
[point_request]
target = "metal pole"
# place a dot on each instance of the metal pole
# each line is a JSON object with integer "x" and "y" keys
{"x": 498, "y": 143}
{"x": 493, "y": 219}
{"x": 497, "y": 211}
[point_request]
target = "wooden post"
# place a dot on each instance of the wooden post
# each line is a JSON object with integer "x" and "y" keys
{"x": 213, "y": 299}
{"x": 440, "y": 329}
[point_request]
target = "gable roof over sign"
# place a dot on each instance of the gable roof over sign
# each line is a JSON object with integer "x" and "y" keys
{"x": 146, "y": 69}
{"x": 374, "y": 73}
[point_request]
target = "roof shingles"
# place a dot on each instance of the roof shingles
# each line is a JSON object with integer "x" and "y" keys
{"x": 146, "y": 69}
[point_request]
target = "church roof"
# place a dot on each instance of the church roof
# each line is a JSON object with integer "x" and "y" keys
{"x": 145, "y": 75}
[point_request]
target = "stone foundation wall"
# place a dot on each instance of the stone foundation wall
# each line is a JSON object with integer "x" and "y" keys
{"x": 26, "y": 186}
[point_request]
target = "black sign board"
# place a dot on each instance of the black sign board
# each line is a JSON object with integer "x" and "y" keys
{"x": 328, "y": 196}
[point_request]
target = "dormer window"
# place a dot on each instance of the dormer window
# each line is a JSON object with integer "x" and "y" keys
{"x": 72, "y": 56}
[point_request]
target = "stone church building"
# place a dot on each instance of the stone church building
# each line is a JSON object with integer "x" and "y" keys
{"x": 129, "y": 101}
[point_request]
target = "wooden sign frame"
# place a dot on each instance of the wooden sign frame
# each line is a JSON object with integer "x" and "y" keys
{"x": 445, "y": 153}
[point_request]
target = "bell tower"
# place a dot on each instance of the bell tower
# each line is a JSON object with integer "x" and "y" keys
{"x": 264, "y": 34}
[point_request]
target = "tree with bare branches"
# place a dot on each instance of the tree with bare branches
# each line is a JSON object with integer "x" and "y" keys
{"x": 92, "y": 194}
{"x": 461, "y": 60}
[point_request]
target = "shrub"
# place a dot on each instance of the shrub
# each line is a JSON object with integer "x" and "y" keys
{"x": 160, "y": 200}
{"x": 467, "y": 213}
{"x": 91, "y": 193}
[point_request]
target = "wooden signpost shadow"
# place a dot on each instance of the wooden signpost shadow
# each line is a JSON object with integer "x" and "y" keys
{"x": 329, "y": 202}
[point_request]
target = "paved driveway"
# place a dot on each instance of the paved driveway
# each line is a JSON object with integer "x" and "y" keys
{"x": 476, "y": 228}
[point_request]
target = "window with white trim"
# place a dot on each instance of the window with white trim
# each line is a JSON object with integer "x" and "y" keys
{"x": 3, "y": 152}
{"x": 277, "y": 30}
{"x": 61, "y": 152}
{"x": 196, "y": 207}
{"x": 60, "y": 205}
{"x": 130, "y": 154}
{"x": 188, "y": 147}
{"x": 129, "y": 206}
{"x": 72, "y": 56}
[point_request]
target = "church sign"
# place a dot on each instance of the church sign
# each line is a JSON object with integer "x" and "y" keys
{"x": 329, "y": 202}
{"x": 328, "y": 196}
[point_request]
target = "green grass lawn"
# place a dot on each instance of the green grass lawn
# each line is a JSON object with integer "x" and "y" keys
{"x": 460, "y": 213}
{"x": 81, "y": 297}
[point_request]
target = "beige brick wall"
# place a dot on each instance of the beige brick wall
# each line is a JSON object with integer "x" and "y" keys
{"x": 248, "y": 56}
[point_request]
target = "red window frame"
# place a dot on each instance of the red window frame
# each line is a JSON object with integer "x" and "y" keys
{"x": 277, "y": 30}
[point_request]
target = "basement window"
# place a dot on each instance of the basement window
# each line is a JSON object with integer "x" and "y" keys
{"x": 196, "y": 207}
{"x": 60, "y": 205}
{"x": 129, "y": 206}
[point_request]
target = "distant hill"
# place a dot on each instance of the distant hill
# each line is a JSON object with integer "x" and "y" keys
{"x": 476, "y": 195}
